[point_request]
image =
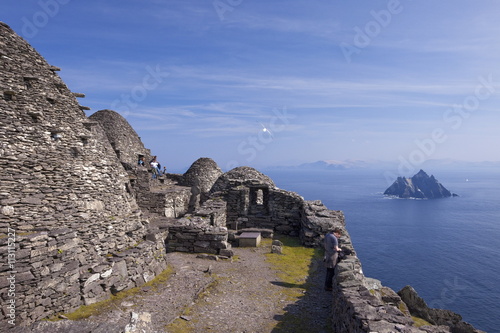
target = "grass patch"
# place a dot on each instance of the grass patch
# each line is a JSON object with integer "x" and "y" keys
{"x": 293, "y": 266}
{"x": 419, "y": 322}
{"x": 293, "y": 269}
{"x": 180, "y": 326}
{"x": 86, "y": 311}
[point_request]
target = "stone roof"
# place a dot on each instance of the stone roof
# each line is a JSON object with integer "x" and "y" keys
{"x": 47, "y": 140}
{"x": 123, "y": 138}
{"x": 203, "y": 173}
{"x": 242, "y": 176}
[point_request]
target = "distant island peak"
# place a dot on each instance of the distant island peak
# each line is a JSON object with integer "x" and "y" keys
{"x": 420, "y": 186}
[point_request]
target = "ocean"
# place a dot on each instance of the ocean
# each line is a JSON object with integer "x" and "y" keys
{"x": 447, "y": 249}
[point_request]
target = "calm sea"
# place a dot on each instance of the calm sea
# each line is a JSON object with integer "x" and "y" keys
{"x": 447, "y": 249}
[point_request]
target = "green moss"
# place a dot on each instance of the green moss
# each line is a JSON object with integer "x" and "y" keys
{"x": 115, "y": 300}
{"x": 293, "y": 269}
{"x": 180, "y": 326}
{"x": 293, "y": 266}
{"x": 19, "y": 234}
{"x": 419, "y": 322}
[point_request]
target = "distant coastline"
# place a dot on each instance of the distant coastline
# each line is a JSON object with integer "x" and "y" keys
{"x": 392, "y": 166}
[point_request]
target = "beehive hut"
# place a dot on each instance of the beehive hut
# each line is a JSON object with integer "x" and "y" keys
{"x": 123, "y": 138}
{"x": 201, "y": 176}
{"x": 63, "y": 193}
{"x": 254, "y": 201}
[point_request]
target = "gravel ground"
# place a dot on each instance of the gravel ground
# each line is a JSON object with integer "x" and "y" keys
{"x": 242, "y": 295}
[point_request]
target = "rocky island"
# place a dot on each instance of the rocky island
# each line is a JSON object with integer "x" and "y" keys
{"x": 420, "y": 186}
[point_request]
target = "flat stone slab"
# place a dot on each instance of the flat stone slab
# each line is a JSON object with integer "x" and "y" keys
{"x": 249, "y": 239}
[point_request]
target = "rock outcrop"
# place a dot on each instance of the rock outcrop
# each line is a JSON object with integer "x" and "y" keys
{"x": 438, "y": 317}
{"x": 420, "y": 186}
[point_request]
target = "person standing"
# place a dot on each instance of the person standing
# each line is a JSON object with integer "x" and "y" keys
{"x": 332, "y": 250}
{"x": 154, "y": 167}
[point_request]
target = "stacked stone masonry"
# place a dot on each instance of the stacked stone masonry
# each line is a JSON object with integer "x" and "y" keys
{"x": 124, "y": 140}
{"x": 203, "y": 232}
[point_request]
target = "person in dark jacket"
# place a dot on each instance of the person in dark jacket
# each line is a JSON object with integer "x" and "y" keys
{"x": 332, "y": 250}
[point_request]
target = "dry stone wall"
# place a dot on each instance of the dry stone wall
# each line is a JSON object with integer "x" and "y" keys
{"x": 286, "y": 211}
{"x": 202, "y": 232}
{"x": 316, "y": 221}
{"x": 362, "y": 304}
{"x": 172, "y": 202}
{"x": 254, "y": 201}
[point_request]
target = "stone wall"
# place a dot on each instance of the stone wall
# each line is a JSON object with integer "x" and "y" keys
{"x": 254, "y": 201}
{"x": 316, "y": 221}
{"x": 202, "y": 232}
{"x": 194, "y": 236}
{"x": 171, "y": 202}
{"x": 362, "y": 304}
{"x": 162, "y": 196}
{"x": 286, "y": 211}
{"x": 60, "y": 269}
{"x": 214, "y": 211}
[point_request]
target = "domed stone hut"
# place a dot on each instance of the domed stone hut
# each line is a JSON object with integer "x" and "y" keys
{"x": 254, "y": 201}
{"x": 123, "y": 138}
{"x": 245, "y": 176}
{"x": 201, "y": 176}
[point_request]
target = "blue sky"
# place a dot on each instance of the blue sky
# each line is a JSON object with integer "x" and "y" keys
{"x": 261, "y": 83}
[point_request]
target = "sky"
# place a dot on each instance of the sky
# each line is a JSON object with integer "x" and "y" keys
{"x": 266, "y": 83}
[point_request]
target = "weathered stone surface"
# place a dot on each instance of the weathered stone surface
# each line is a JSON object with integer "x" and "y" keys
{"x": 201, "y": 176}
{"x": 139, "y": 323}
{"x": 241, "y": 176}
{"x": 63, "y": 189}
{"x": 276, "y": 249}
{"x": 123, "y": 138}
